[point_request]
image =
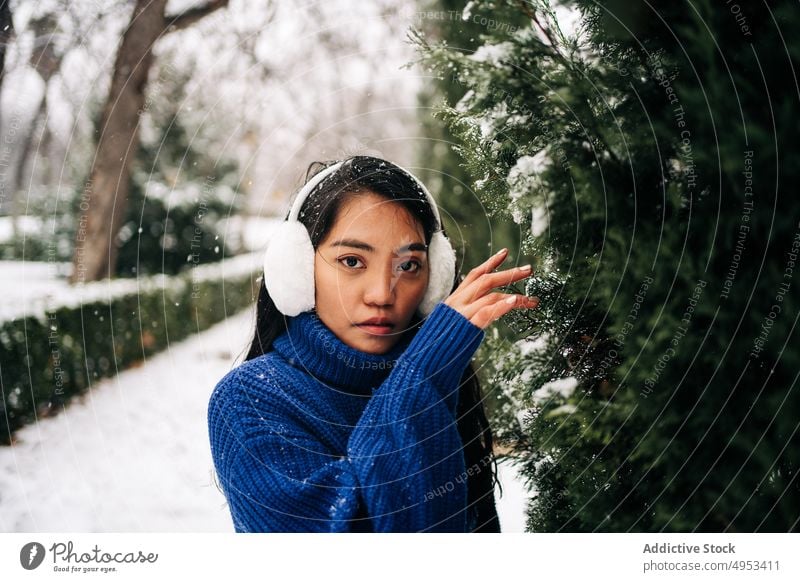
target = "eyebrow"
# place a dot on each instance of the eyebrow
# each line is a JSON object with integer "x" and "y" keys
{"x": 357, "y": 244}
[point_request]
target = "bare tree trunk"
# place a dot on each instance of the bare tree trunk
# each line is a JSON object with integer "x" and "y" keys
{"x": 104, "y": 199}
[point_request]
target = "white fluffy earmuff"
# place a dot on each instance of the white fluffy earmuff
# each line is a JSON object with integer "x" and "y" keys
{"x": 289, "y": 257}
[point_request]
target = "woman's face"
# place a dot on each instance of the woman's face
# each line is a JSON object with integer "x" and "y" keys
{"x": 371, "y": 264}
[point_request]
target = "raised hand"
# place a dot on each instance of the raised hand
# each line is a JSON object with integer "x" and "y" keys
{"x": 474, "y": 301}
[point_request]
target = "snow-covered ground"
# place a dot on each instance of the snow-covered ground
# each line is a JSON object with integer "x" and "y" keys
{"x": 132, "y": 454}
{"x": 512, "y": 503}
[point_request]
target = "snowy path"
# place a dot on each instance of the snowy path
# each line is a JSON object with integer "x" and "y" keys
{"x": 132, "y": 455}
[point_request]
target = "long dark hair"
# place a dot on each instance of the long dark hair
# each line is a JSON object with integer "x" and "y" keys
{"x": 360, "y": 174}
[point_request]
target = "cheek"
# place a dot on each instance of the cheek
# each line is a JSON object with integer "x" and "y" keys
{"x": 330, "y": 286}
{"x": 324, "y": 279}
{"x": 417, "y": 287}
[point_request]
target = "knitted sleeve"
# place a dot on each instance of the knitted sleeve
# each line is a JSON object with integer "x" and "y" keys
{"x": 404, "y": 466}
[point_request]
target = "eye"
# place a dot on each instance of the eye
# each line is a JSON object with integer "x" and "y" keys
{"x": 411, "y": 266}
{"x": 349, "y": 265}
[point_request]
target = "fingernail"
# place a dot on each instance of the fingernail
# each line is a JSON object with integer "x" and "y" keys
{"x": 511, "y": 300}
{"x": 501, "y": 251}
{"x": 525, "y": 268}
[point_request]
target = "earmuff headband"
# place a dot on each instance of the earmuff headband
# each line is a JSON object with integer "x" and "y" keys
{"x": 306, "y": 190}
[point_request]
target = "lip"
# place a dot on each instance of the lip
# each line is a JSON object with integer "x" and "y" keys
{"x": 377, "y": 329}
{"x": 377, "y": 325}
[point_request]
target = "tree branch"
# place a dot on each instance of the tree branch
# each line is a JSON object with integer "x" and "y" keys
{"x": 188, "y": 18}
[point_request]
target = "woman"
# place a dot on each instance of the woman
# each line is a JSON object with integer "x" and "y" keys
{"x": 360, "y": 411}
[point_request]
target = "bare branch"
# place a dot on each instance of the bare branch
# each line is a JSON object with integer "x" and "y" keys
{"x": 188, "y": 18}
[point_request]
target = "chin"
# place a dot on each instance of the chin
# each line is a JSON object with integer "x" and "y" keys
{"x": 377, "y": 346}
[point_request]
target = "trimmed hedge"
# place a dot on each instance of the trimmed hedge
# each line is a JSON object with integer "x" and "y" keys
{"x": 50, "y": 356}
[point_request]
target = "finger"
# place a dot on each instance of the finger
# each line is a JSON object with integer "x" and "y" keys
{"x": 474, "y": 307}
{"x": 485, "y": 305}
{"x": 491, "y": 280}
{"x": 487, "y": 266}
{"x": 488, "y": 281}
{"x": 490, "y": 313}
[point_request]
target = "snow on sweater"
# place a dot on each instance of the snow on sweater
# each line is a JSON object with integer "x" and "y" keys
{"x": 316, "y": 436}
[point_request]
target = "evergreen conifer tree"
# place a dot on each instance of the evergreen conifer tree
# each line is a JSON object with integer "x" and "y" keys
{"x": 650, "y": 151}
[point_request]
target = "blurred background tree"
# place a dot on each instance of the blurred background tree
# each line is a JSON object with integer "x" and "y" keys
{"x": 250, "y": 106}
{"x": 105, "y": 198}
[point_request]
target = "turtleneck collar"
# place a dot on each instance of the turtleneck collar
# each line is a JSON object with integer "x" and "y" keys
{"x": 311, "y": 346}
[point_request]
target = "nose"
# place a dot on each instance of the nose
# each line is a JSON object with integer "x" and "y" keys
{"x": 380, "y": 288}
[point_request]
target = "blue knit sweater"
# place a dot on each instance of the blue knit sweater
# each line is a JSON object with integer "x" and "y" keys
{"x": 316, "y": 436}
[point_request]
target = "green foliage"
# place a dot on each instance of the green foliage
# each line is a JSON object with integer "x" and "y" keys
{"x": 174, "y": 207}
{"x": 650, "y": 141}
{"x": 165, "y": 236}
{"x": 477, "y": 230}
